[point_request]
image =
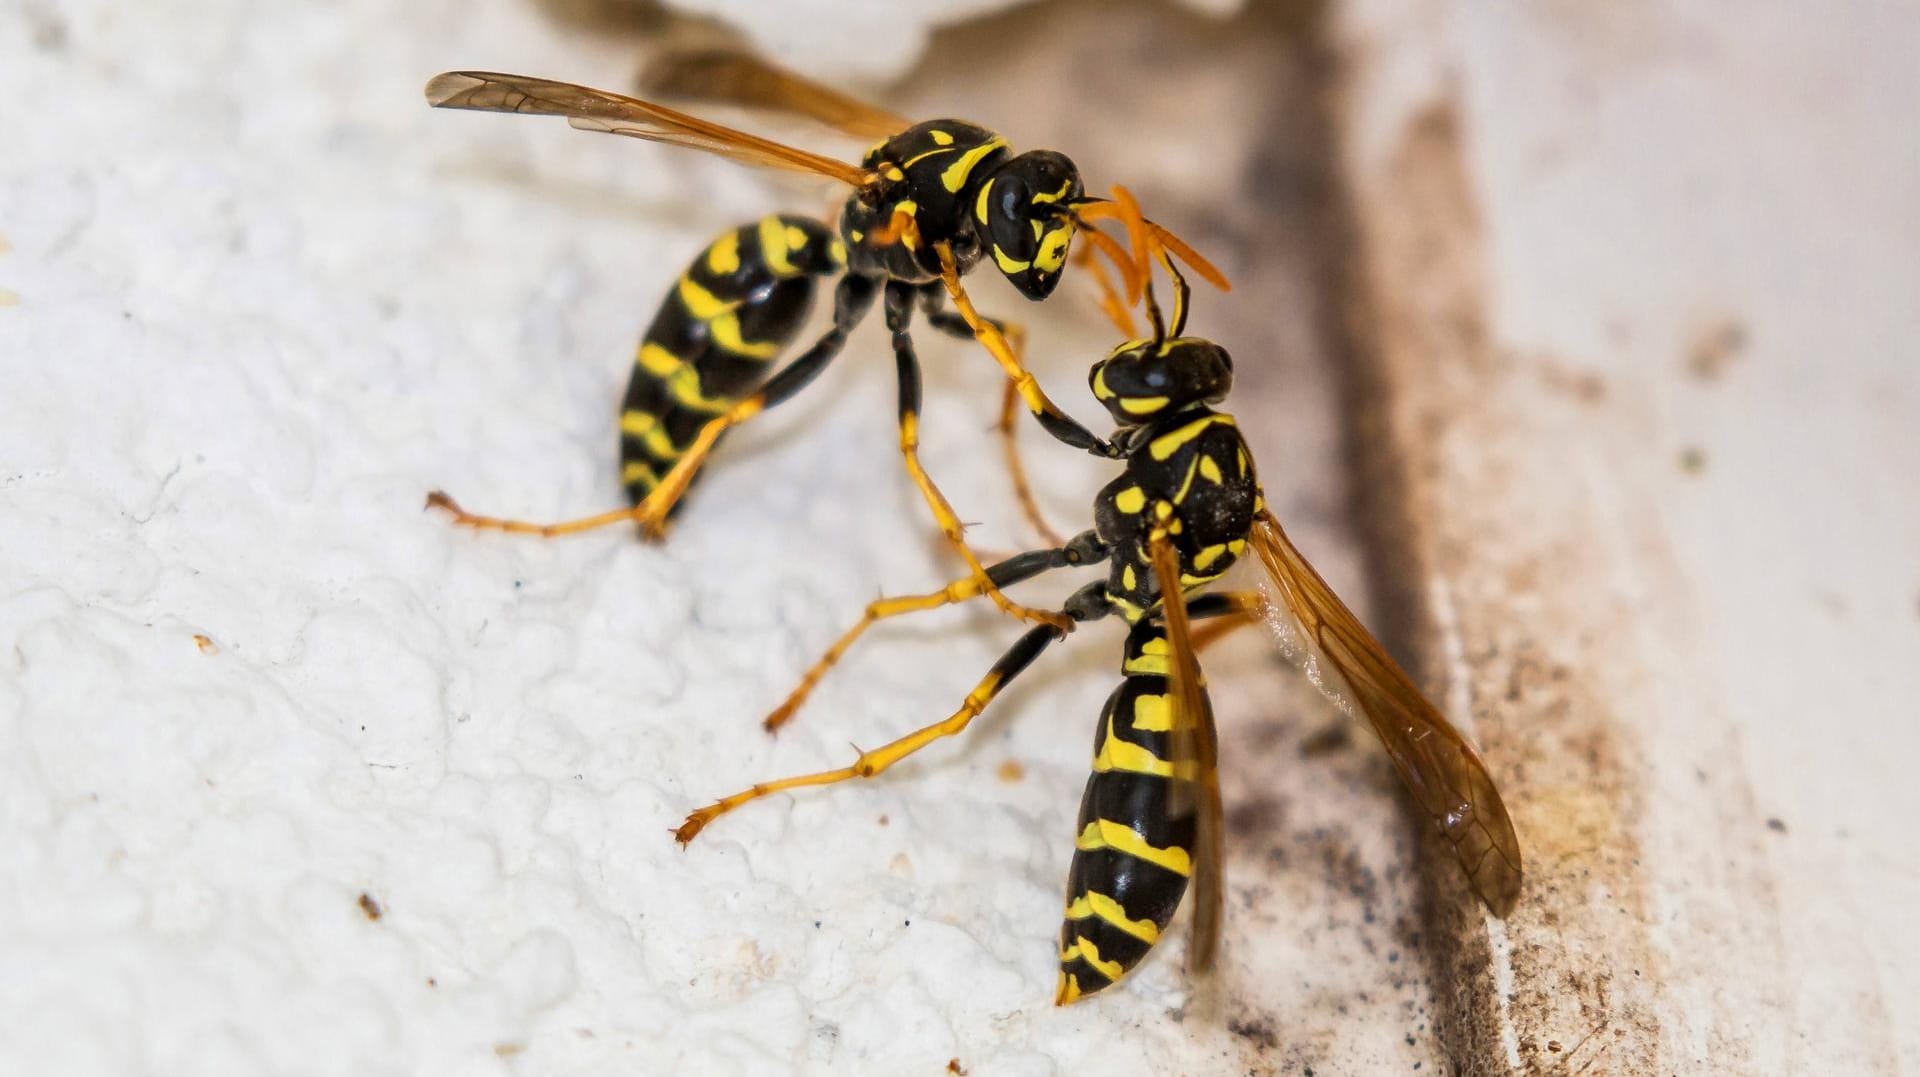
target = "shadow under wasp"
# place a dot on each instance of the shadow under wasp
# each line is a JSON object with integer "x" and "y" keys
{"x": 1186, "y": 508}
{"x": 929, "y": 201}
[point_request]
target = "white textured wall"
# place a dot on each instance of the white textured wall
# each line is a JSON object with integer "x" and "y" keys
{"x": 260, "y": 299}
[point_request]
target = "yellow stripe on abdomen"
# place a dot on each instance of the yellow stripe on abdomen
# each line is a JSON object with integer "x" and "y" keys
{"x": 1107, "y": 834}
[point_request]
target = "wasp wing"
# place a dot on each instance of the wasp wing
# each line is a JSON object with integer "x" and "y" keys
{"x": 598, "y": 110}
{"x": 1438, "y": 765}
{"x": 1195, "y": 751}
{"x": 731, "y": 77}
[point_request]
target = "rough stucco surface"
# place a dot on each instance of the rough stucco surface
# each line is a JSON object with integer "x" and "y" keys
{"x": 259, "y": 299}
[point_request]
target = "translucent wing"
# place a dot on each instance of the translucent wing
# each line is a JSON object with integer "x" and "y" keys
{"x": 1443, "y": 772}
{"x": 598, "y": 110}
{"x": 727, "y": 76}
{"x": 1194, "y": 744}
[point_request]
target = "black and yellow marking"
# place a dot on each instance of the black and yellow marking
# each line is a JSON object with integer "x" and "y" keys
{"x": 1132, "y": 854}
{"x": 731, "y": 313}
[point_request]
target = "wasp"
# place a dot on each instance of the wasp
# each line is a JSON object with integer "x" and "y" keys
{"x": 1185, "y": 508}
{"x": 929, "y": 202}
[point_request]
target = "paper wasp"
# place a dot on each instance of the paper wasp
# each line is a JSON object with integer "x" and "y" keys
{"x": 1187, "y": 507}
{"x": 928, "y": 203}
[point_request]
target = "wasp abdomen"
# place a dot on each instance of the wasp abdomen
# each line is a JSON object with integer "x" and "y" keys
{"x": 1132, "y": 856}
{"x": 729, "y": 316}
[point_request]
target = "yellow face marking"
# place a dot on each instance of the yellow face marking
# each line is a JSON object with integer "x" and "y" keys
{"x": 1152, "y": 714}
{"x": 1006, "y": 264}
{"x": 1053, "y": 248}
{"x": 1142, "y": 405}
{"x": 980, "y": 203}
{"x": 657, "y": 361}
{"x": 724, "y": 256}
{"x": 1107, "y": 834}
{"x": 955, "y": 177}
{"x": 773, "y": 247}
{"x": 636, "y": 471}
{"x": 1130, "y": 500}
{"x": 1169, "y": 443}
{"x": 1065, "y": 186}
{"x": 702, "y": 304}
{"x": 1210, "y": 471}
{"x": 1100, "y": 390}
{"x": 1094, "y": 903}
{"x": 940, "y": 138}
{"x": 725, "y": 331}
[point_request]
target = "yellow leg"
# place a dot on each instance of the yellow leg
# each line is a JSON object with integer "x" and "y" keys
{"x": 1056, "y": 422}
{"x": 877, "y": 610}
{"x": 1022, "y": 491}
{"x": 955, "y": 532}
{"x": 874, "y": 762}
{"x": 650, "y": 514}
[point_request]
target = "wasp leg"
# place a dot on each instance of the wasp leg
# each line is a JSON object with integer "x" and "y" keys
{"x": 1085, "y": 549}
{"x": 852, "y": 299}
{"x": 899, "y": 312}
{"x": 1054, "y": 421}
{"x": 1237, "y": 610}
{"x": 954, "y": 325}
{"x": 869, "y": 764}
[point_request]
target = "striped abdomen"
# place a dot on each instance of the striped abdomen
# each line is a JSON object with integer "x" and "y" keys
{"x": 1132, "y": 856}
{"x": 733, "y": 311}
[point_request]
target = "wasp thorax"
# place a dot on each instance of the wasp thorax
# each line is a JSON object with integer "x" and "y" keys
{"x": 1144, "y": 379}
{"x": 1023, "y": 217}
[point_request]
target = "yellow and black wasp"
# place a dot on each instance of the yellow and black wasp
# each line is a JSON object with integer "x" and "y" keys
{"x": 929, "y": 202}
{"x": 1186, "y": 507}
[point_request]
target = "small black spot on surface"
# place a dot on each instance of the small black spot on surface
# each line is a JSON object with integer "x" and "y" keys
{"x": 1256, "y": 1030}
{"x": 1693, "y": 459}
{"x": 371, "y": 908}
{"x": 1777, "y": 825}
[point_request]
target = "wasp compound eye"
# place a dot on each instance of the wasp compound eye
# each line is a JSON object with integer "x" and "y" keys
{"x": 1023, "y": 218}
